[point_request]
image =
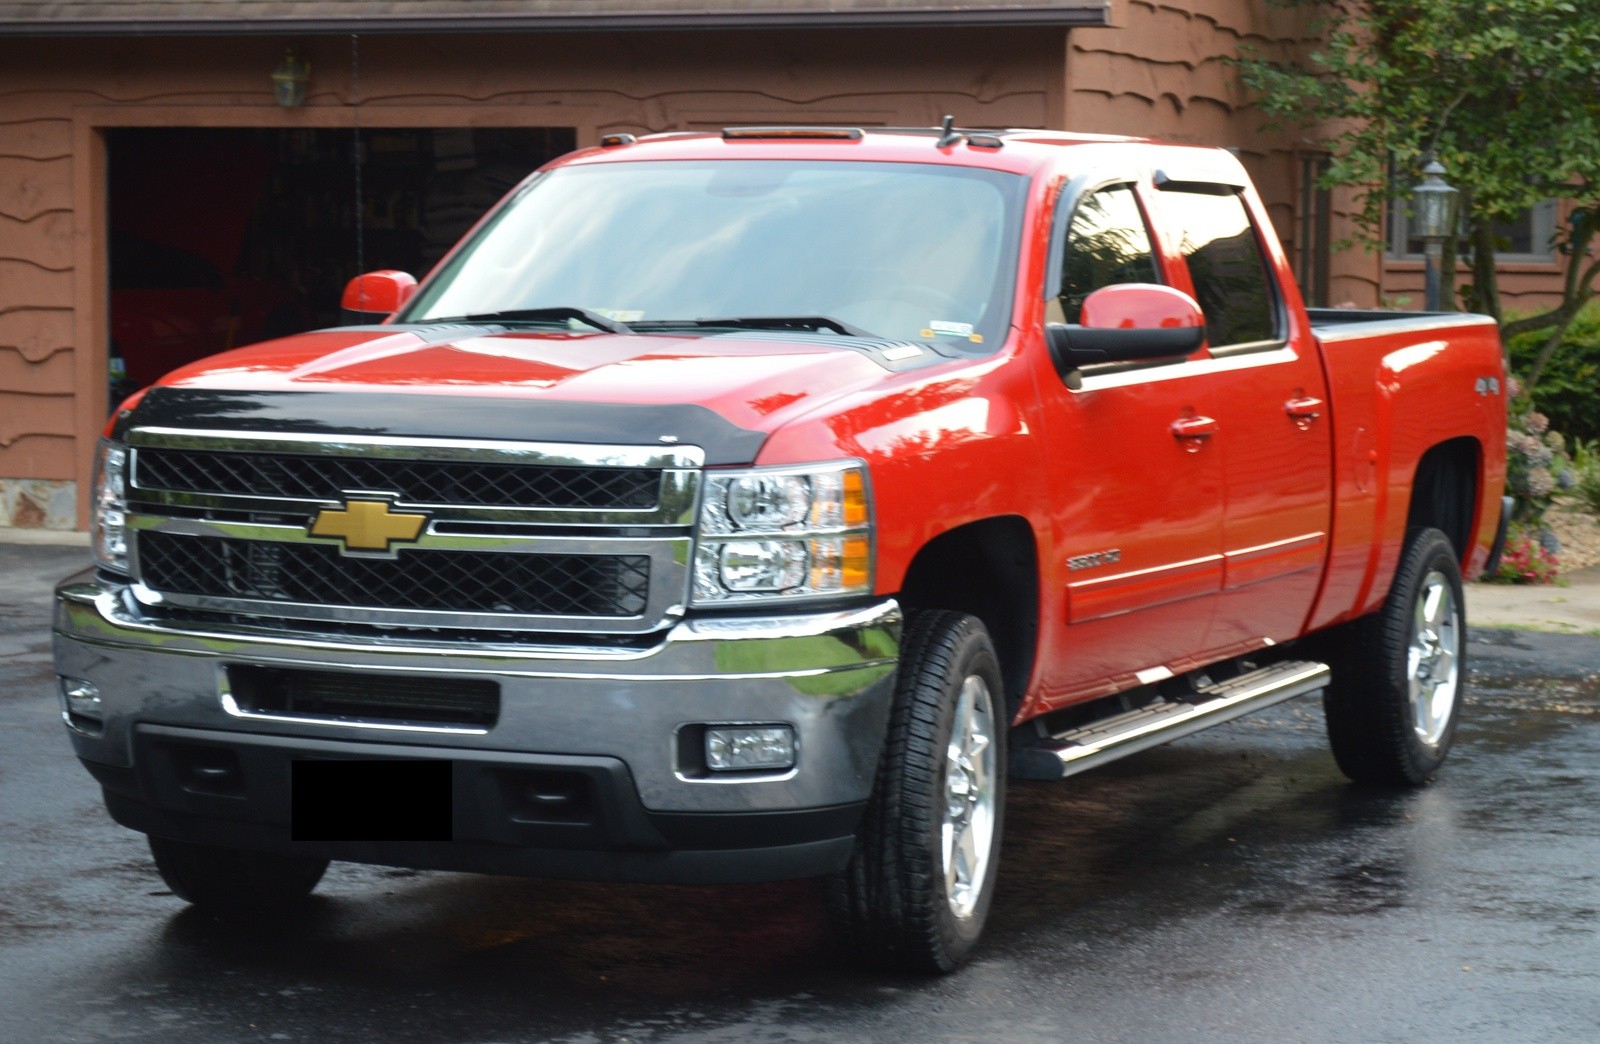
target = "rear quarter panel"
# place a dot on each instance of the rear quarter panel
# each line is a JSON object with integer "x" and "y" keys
{"x": 1398, "y": 387}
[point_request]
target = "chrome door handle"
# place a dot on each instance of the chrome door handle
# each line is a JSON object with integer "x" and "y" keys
{"x": 1193, "y": 431}
{"x": 1303, "y": 409}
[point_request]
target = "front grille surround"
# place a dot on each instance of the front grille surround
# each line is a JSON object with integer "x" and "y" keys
{"x": 585, "y": 561}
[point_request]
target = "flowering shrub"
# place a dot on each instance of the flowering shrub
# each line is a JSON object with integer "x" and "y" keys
{"x": 1537, "y": 465}
{"x": 1537, "y": 469}
{"x": 1525, "y": 560}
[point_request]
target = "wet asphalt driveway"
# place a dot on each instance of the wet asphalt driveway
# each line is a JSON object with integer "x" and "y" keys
{"x": 1228, "y": 887}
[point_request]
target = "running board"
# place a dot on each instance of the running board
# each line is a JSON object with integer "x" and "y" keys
{"x": 1112, "y": 738}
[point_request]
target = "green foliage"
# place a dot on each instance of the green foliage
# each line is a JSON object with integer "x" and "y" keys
{"x": 1505, "y": 92}
{"x": 1586, "y": 465}
{"x": 1568, "y": 391}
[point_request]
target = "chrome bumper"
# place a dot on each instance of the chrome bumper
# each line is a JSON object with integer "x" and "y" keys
{"x": 829, "y": 674}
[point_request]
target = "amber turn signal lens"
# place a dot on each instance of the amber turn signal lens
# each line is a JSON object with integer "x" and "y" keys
{"x": 855, "y": 499}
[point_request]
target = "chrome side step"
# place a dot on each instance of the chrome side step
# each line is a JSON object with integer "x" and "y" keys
{"x": 1112, "y": 738}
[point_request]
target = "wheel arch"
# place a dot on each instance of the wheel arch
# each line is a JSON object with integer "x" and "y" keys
{"x": 990, "y": 569}
{"x": 1444, "y": 492}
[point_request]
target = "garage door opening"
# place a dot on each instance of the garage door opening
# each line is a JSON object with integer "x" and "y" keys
{"x": 221, "y": 238}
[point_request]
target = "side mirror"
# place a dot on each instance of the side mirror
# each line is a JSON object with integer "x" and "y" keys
{"x": 373, "y": 297}
{"x": 1128, "y": 322}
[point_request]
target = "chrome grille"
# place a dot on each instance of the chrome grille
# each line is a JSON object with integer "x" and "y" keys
{"x": 423, "y": 579}
{"x": 525, "y": 537}
{"x": 468, "y": 483}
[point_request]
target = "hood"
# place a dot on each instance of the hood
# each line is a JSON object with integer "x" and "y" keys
{"x": 474, "y": 381}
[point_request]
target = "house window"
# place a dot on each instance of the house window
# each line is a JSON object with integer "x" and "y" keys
{"x": 1314, "y": 242}
{"x": 1527, "y": 237}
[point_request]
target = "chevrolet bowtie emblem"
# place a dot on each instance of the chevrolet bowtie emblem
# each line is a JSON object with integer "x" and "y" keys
{"x": 367, "y": 525}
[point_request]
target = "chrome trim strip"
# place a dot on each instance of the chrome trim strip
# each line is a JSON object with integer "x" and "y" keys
{"x": 562, "y": 454}
{"x": 268, "y": 532}
{"x": 675, "y": 506}
{"x": 232, "y": 707}
{"x": 1429, "y": 324}
{"x": 1190, "y": 368}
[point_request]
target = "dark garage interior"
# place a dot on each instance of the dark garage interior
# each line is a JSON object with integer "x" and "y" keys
{"x": 223, "y": 237}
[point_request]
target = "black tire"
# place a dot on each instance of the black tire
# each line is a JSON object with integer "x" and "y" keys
{"x": 229, "y": 879}
{"x": 1391, "y": 720}
{"x": 898, "y": 904}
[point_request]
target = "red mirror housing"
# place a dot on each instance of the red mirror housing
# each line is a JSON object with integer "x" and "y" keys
{"x": 378, "y": 294}
{"x": 1127, "y": 323}
{"x": 1140, "y": 306}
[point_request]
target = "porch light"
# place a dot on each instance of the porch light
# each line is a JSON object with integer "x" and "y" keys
{"x": 1435, "y": 209}
{"x": 290, "y": 79}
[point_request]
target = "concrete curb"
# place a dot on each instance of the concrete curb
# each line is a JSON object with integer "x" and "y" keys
{"x": 1571, "y": 607}
{"x": 53, "y": 537}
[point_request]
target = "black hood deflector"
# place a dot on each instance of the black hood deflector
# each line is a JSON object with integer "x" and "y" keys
{"x": 420, "y": 415}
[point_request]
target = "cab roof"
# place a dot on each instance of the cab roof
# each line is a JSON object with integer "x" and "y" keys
{"x": 1015, "y": 150}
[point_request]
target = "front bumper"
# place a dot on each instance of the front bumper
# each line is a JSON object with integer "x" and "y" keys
{"x": 605, "y": 720}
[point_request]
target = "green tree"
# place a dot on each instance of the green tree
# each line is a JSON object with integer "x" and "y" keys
{"x": 1506, "y": 93}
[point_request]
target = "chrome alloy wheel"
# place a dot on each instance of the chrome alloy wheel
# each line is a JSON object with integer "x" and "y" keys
{"x": 970, "y": 799}
{"x": 1432, "y": 669}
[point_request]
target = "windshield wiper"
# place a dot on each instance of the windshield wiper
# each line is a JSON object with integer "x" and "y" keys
{"x": 809, "y": 323}
{"x": 555, "y": 313}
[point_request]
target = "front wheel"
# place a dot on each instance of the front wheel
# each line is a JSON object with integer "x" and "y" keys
{"x": 1399, "y": 674}
{"x": 229, "y": 879}
{"x": 917, "y": 891}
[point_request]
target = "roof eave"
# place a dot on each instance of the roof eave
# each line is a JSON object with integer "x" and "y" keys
{"x": 1020, "y": 16}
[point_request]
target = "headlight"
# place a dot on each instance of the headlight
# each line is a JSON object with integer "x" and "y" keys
{"x": 783, "y": 532}
{"x": 111, "y": 506}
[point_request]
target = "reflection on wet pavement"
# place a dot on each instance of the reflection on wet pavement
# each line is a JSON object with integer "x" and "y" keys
{"x": 1229, "y": 886}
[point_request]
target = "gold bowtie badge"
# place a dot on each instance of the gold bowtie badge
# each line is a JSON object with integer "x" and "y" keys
{"x": 367, "y": 525}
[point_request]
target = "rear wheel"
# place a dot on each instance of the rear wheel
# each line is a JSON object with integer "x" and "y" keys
{"x": 1399, "y": 674}
{"x": 230, "y": 879}
{"x": 917, "y": 891}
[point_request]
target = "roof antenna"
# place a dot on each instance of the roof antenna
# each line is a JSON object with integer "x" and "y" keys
{"x": 947, "y": 133}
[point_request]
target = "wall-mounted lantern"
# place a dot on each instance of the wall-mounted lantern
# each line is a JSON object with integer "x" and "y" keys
{"x": 290, "y": 79}
{"x": 1435, "y": 210}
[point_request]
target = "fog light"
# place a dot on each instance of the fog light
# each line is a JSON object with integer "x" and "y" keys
{"x": 743, "y": 748}
{"x": 80, "y": 705}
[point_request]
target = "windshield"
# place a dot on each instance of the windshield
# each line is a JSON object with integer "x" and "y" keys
{"x": 904, "y": 251}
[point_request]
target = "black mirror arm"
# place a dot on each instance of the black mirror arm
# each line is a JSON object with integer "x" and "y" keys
{"x": 1074, "y": 347}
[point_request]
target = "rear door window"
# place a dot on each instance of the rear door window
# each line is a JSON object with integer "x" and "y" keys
{"x": 1227, "y": 266}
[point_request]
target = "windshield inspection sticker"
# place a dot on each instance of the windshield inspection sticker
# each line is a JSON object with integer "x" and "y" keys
{"x": 944, "y": 329}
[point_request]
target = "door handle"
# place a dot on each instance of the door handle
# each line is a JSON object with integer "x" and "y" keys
{"x": 1193, "y": 431}
{"x": 1303, "y": 409}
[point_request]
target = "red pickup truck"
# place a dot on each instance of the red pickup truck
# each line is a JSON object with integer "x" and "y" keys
{"x": 743, "y": 506}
